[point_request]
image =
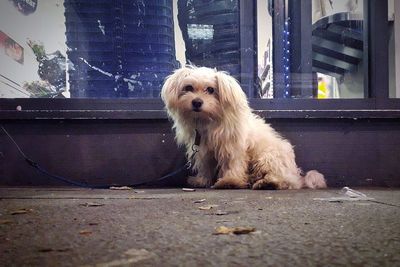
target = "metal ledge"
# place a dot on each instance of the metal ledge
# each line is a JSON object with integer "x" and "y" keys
{"x": 156, "y": 115}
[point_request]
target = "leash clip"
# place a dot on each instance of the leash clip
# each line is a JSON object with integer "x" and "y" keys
{"x": 195, "y": 148}
{"x": 196, "y": 144}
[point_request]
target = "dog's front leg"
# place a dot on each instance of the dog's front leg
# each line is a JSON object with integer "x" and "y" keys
{"x": 233, "y": 172}
{"x": 205, "y": 165}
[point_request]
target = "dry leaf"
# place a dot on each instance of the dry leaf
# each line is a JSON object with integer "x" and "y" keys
{"x": 243, "y": 230}
{"x": 5, "y": 222}
{"x": 53, "y": 249}
{"x": 199, "y": 200}
{"x": 223, "y": 230}
{"x": 208, "y": 207}
{"x": 188, "y": 189}
{"x": 220, "y": 212}
{"x": 121, "y": 188}
{"x": 21, "y": 211}
{"x": 16, "y": 212}
{"x": 85, "y": 232}
{"x": 91, "y": 204}
{"x": 45, "y": 250}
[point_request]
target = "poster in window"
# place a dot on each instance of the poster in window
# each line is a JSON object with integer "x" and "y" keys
{"x": 11, "y": 48}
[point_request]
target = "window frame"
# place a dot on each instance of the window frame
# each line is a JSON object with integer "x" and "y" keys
{"x": 376, "y": 105}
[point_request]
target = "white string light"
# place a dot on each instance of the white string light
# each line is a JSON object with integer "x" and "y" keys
{"x": 286, "y": 59}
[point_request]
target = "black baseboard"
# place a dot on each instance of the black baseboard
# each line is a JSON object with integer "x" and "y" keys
{"x": 349, "y": 152}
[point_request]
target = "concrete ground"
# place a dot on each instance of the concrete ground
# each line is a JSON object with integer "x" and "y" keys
{"x": 172, "y": 227}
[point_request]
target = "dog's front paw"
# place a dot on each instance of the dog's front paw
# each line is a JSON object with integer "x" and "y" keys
{"x": 265, "y": 184}
{"x": 198, "y": 181}
{"x": 230, "y": 183}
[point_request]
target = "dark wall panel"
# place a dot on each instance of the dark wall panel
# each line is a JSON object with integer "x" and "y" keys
{"x": 99, "y": 152}
{"x": 349, "y": 152}
{"x": 122, "y": 152}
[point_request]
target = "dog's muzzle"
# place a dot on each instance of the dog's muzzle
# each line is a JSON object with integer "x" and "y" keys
{"x": 196, "y": 104}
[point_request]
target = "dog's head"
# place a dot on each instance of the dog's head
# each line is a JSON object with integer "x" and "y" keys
{"x": 202, "y": 93}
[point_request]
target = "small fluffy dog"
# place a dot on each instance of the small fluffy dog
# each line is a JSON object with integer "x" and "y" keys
{"x": 225, "y": 141}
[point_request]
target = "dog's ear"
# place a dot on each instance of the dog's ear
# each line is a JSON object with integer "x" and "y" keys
{"x": 230, "y": 93}
{"x": 171, "y": 87}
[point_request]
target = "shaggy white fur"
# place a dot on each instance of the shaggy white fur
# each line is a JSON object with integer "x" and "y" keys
{"x": 236, "y": 143}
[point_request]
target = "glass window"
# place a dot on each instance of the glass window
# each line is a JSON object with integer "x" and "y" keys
{"x": 317, "y": 49}
{"x": 32, "y": 49}
{"x": 125, "y": 49}
{"x": 394, "y": 54}
{"x": 210, "y": 31}
{"x": 265, "y": 52}
{"x": 111, "y": 49}
{"x": 86, "y": 49}
{"x": 338, "y": 43}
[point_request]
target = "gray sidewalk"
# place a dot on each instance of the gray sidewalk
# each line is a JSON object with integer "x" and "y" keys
{"x": 170, "y": 227}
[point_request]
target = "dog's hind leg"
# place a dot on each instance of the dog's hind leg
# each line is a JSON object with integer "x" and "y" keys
{"x": 270, "y": 182}
{"x": 276, "y": 169}
{"x": 233, "y": 174}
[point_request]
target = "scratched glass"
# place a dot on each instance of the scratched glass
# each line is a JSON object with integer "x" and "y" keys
{"x": 86, "y": 49}
{"x": 311, "y": 49}
{"x": 394, "y": 41}
{"x": 111, "y": 49}
{"x": 125, "y": 49}
{"x": 265, "y": 54}
{"x": 338, "y": 49}
{"x": 317, "y": 51}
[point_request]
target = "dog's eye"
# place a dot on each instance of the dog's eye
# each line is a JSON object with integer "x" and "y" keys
{"x": 188, "y": 88}
{"x": 210, "y": 90}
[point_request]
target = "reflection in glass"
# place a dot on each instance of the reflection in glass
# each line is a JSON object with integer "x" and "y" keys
{"x": 210, "y": 30}
{"x": 338, "y": 48}
{"x": 119, "y": 48}
{"x": 317, "y": 52}
{"x": 32, "y": 49}
{"x": 265, "y": 51}
{"x": 112, "y": 49}
{"x": 394, "y": 53}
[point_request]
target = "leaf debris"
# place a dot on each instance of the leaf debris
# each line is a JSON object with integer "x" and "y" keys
{"x": 85, "y": 232}
{"x": 207, "y": 207}
{"x": 44, "y": 250}
{"x": 221, "y": 212}
{"x": 223, "y": 230}
{"x": 21, "y": 211}
{"x": 91, "y": 204}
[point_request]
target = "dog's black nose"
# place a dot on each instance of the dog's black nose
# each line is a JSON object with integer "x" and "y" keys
{"x": 197, "y": 103}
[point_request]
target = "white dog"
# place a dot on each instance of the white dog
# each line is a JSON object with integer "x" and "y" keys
{"x": 224, "y": 139}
